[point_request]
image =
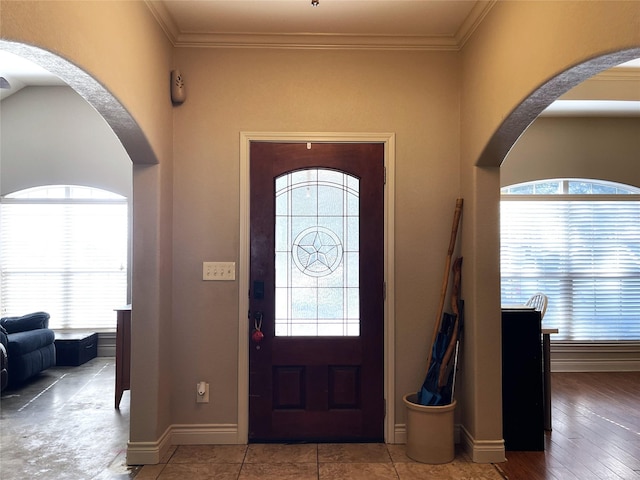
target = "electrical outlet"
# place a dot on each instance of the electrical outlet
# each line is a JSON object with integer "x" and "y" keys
{"x": 202, "y": 392}
{"x": 225, "y": 271}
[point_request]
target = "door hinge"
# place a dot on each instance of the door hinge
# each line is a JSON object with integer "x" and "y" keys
{"x": 385, "y": 408}
{"x": 384, "y": 290}
{"x": 385, "y": 176}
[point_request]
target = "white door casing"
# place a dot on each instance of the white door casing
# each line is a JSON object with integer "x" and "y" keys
{"x": 388, "y": 139}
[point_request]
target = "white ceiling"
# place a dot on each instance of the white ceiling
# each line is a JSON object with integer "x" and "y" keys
{"x": 360, "y": 24}
{"x": 20, "y": 73}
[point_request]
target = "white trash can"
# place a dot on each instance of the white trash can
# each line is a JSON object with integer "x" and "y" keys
{"x": 429, "y": 431}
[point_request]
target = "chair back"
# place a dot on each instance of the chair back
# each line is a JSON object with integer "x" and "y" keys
{"x": 538, "y": 302}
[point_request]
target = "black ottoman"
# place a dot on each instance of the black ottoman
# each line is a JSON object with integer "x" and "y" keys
{"x": 73, "y": 349}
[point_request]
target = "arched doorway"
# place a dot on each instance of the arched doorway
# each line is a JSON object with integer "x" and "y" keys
{"x": 528, "y": 110}
{"x": 598, "y": 145}
{"x": 114, "y": 113}
{"x": 481, "y": 187}
{"x": 114, "y": 128}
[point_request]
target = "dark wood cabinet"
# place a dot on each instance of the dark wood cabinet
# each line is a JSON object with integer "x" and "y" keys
{"x": 123, "y": 352}
{"x": 522, "y": 392}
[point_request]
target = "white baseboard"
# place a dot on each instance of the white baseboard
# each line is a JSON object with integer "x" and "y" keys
{"x": 595, "y": 357}
{"x": 482, "y": 451}
{"x": 221, "y": 434}
{"x": 594, "y": 365}
{"x": 400, "y": 433}
{"x": 150, "y": 453}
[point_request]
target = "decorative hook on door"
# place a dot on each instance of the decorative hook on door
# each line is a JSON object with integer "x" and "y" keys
{"x": 257, "y": 334}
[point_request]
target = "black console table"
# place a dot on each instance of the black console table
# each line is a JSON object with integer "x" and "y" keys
{"x": 522, "y": 380}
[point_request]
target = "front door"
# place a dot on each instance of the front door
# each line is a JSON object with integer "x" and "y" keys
{"x": 316, "y": 367}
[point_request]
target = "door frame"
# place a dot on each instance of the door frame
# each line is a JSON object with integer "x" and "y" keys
{"x": 388, "y": 139}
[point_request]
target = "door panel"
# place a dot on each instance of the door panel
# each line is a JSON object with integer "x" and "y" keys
{"x": 318, "y": 375}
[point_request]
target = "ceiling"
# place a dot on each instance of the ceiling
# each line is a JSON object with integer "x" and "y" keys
{"x": 21, "y": 73}
{"x": 422, "y": 24}
{"x": 332, "y": 24}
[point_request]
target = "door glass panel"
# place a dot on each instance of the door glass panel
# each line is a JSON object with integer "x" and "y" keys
{"x": 317, "y": 254}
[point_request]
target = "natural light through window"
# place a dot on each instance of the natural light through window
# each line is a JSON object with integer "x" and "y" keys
{"x": 317, "y": 254}
{"x": 577, "y": 241}
{"x": 64, "y": 251}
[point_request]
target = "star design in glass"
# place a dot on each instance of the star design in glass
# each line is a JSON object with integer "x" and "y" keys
{"x": 318, "y": 252}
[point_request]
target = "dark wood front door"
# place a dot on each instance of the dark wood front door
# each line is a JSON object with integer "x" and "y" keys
{"x": 316, "y": 292}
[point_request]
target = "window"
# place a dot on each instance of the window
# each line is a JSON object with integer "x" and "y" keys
{"x": 578, "y": 242}
{"x": 317, "y": 254}
{"x": 63, "y": 250}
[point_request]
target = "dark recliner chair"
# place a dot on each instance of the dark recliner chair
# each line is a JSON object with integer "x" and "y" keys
{"x": 30, "y": 346}
{"x": 4, "y": 374}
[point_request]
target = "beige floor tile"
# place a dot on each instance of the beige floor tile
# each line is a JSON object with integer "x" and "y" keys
{"x": 422, "y": 471}
{"x": 200, "y": 471}
{"x": 398, "y": 453}
{"x": 149, "y": 472}
{"x": 168, "y": 454}
{"x": 353, "y": 453}
{"x": 447, "y": 471}
{"x": 277, "y": 453}
{"x": 209, "y": 454}
{"x": 357, "y": 471}
{"x": 279, "y": 471}
{"x": 365, "y": 461}
{"x": 462, "y": 455}
{"x": 476, "y": 471}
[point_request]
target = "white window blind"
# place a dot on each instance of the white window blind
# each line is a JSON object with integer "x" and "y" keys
{"x": 65, "y": 256}
{"x": 584, "y": 254}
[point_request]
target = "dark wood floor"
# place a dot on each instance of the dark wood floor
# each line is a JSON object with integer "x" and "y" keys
{"x": 596, "y": 431}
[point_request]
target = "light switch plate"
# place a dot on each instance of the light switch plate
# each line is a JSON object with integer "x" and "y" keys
{"x": 225, "y": 271}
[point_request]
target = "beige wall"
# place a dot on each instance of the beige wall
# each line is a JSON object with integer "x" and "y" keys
{"x": 190, "y": 329}
{"x": 527, "y": 53}
{"x": 594, "y": 147}
{"x": 414, "y": 94}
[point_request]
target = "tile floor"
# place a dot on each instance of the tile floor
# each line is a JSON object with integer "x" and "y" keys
{"x": 62, "y": 426}
{"x": 370, "y": 461}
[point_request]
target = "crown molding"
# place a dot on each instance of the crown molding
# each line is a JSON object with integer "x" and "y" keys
{"x": 473, "y": 20}
{"x": 314, "y": 41}
{"x": 164, "y": 19}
